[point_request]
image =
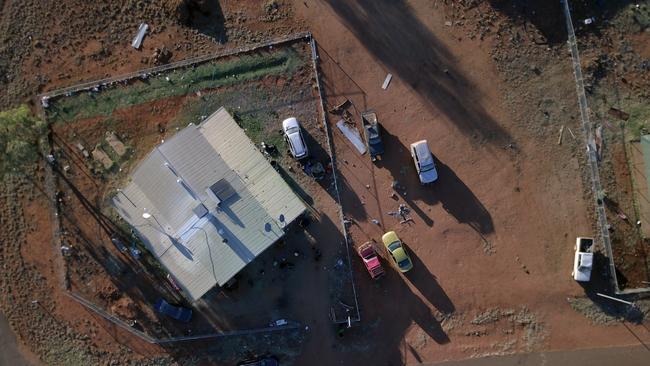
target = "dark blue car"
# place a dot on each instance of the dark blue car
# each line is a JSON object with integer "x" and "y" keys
{"x": 176, "y": 312}
{"x": 371, "y": 132}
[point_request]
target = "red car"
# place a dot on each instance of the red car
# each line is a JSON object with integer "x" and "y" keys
{"x": 371, "y": 260}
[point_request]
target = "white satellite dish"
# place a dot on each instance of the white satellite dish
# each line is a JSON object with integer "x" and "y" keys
{"x": 146, "y": 215}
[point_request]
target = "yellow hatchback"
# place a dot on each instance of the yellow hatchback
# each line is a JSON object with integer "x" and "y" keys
{"x": 397, "y": 251}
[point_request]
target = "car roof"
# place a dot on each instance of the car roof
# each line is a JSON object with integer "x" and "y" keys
{"x": 422, "y": 150}
{"x": 290, "y": 122}
{"x": 296, "y": 141}
{"x": 400, "y": 254}
{"x": 587, "y": 259}
{"x": 389, "y": 237}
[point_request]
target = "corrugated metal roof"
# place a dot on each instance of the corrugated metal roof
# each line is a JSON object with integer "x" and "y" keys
{"x": 201, "y": 252}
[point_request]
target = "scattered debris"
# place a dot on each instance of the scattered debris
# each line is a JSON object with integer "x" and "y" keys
{"x": 389, "y": 77}
{"x": 161, "y": 56}
{"x": 559, "y": 138}
{"x": 115, "y": 143}
{"x": 571, "y": 132}
{"x": 488, "y": 316}
{"x": 352, "y": 135}
{"x": 338, "y": 109}
{"x": 268, "y": 149}
{"x": 137, "y": 40}
{"x": 314, "y": 169}
{"x": 83, "y": 150}
{"x": 103, "y": 158}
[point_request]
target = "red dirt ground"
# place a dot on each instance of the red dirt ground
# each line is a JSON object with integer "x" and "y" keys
{"x": 494, "y": 233}
{"x": 527, "y": 205}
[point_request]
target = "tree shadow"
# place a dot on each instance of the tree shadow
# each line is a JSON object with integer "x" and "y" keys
{"x": 548, "y": 16}
{"x": 395, "y": 36}
{"x": 205, "y": 16}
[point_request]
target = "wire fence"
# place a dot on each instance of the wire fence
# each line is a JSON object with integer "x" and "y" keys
{"x": 590, "y": 145}
{"x": 51, "y": 188}
{"x": 174, "y": 65}
{"x": 50, "y": 184}
{"x": 330, "y": 148}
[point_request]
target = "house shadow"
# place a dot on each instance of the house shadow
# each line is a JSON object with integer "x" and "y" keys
{"x": 396, "y": 37}
{"x": 387, "y": 325}
{"x": 348, "y": 198}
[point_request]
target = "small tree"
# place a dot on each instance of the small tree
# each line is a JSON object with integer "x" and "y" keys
{"x": 21, "y": 134}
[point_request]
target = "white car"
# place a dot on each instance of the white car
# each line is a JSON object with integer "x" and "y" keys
{"x": 293, "y": 137}
{"x": 423, "y": 160}
{"x": 584, "y": 259}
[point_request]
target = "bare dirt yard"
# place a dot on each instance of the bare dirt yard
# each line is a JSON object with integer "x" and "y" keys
{"x": 488, "y": 83}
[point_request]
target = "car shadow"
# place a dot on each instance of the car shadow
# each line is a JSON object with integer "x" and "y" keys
{"x": 460, "y": 202}
{"x": 387, "y": 324}
{"x": 397, "y": 160}
{"x": 428, "y": 285}
{"x": 449, "y": 190}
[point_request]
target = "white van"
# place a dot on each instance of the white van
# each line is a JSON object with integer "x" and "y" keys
{"x": 293, "y": 137}
{"x": 424, "y": 163}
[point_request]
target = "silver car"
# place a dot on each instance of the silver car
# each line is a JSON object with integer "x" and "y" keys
{"x": 424, "y": 163}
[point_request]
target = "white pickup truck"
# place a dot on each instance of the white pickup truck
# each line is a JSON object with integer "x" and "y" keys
{"x": 584, "y": 259}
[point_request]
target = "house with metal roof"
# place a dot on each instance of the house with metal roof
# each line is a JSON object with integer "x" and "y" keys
{"x": 206, "y": 202}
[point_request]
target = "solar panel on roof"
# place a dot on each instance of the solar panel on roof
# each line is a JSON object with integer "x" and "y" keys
{"x": 222, "y": 189}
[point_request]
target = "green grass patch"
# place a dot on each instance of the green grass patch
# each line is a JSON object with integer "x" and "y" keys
{"x": 258, "y": 121}
{"x": 21, "y": 136}
{"x": 639, "y": 122}
{"x": 181, "y": 82}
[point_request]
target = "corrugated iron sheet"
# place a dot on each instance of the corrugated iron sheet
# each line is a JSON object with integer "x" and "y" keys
{"x": 203, "y": 252}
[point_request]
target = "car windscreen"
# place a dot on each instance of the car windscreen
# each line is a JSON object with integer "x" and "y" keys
{"x": 404, "y": 263}
{"x": 372, "y": 133}
{"x": 393, "y": 246}
{"x": 427, "y": 167}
